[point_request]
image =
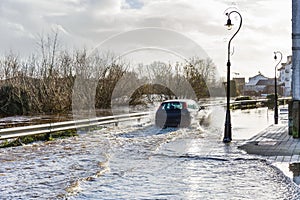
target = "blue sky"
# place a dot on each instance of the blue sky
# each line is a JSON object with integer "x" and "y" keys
{"x": 87, "y": 23}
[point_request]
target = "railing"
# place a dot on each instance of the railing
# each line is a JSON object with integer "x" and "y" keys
{"x": 247, "y": 102}
{"x": 15, "y": 132}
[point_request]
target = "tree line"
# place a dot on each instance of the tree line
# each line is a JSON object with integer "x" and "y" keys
{"x": 43, "y": 83}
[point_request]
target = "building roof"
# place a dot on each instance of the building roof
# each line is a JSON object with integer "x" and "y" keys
{"x": 270, "y": 81}
{"x": 288, "y": 62}
{"x": 253, "y": 80}
{"x": 282, "y": 66}
{"x": 258, "y": 75}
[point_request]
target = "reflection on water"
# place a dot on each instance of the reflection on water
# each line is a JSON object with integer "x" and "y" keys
{"x": 14, "y": 121}
{"x": 247, "y": 123}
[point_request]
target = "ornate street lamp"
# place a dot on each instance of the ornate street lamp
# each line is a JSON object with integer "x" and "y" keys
{"x": 276, "y": 96}
{"x": 227, "y": 132}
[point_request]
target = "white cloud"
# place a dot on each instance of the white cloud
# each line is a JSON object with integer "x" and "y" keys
{"x": 266, "y": 25}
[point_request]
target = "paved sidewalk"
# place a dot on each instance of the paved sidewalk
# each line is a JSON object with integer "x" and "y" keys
{"x": 276, "y": 144}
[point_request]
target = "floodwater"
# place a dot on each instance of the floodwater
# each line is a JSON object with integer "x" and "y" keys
{"x": 143, "y": 162}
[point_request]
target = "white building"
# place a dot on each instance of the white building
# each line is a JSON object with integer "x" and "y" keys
{"x": 260, "y": 85}
{"x": 285, "y": 77}
{"x": 252, "y": 85}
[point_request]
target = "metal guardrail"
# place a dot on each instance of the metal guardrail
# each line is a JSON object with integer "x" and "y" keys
{"x": 15, "y": 132}
{"x": 232, "y": 102}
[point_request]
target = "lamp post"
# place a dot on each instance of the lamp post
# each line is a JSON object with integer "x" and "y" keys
{"x": 276, "y": 96}
{"x": 227, "y": 132}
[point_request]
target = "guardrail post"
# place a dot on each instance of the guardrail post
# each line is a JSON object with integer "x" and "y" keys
{"x": 48, "y": 136}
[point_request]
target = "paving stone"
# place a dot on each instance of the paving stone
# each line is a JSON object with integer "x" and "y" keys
{"x": 294, "y": 158}
{"x": 274, "y": 141}
{"x": 272, "y": 158}
{"x": 279, "y": 158}
{"x": 287, "y": 158}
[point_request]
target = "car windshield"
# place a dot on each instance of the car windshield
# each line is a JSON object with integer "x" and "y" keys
{"x": 172, "y": 106}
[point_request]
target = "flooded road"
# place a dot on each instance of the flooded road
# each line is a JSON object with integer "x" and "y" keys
{"x": 144, "y": 162}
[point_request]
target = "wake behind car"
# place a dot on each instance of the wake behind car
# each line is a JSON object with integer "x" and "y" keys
{"x": 176, "y": 113}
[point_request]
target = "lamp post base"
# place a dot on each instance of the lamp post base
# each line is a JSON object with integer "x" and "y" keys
{"x": 227, "y": 132}
{"x": 227, "y": 136}
{"x": 227, "y": 140}
{"x": 276, "y": 120}
{"x": 276, "y": 113}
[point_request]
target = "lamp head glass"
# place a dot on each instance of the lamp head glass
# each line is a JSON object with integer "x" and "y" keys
{"x": 229, "y": 24}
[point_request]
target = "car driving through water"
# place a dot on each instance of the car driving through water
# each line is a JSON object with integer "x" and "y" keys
{"x": 176, "y": 113}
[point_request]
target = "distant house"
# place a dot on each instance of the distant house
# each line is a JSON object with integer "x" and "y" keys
{"x": 252, "y": 88}
{"x": 253, "y": 80}
{"x": 268, "y": 86}
{"x": 259, "y": 85}
{"x": 285, "y": 77}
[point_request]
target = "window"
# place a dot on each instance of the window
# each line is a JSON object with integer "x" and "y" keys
{"x": 172, "y": 106}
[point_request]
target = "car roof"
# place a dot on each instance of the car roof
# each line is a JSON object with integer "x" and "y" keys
{"x": 180, "y": 100}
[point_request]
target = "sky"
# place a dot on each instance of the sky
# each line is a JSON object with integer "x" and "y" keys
{"x": 145, "y": 30}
